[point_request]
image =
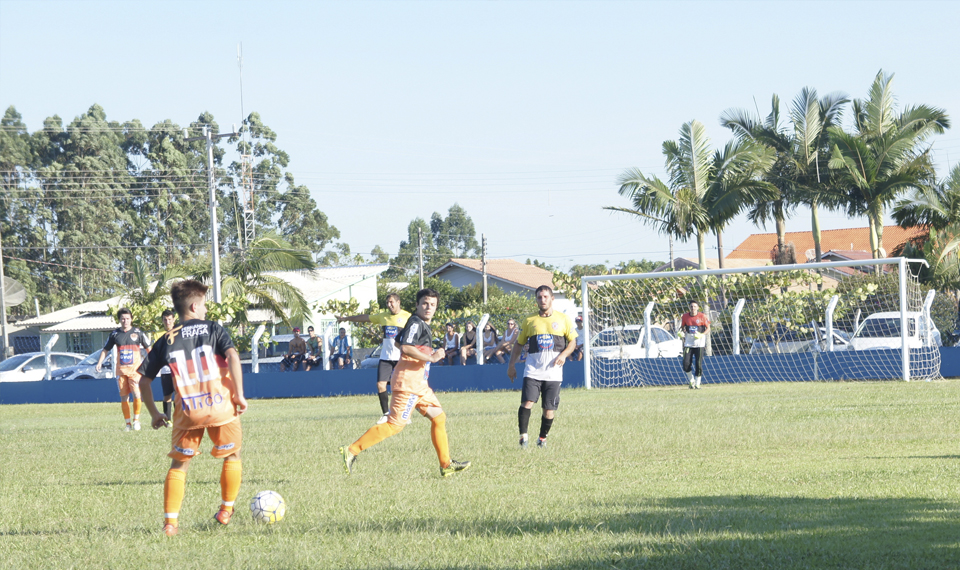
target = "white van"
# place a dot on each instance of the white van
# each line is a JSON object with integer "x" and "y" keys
{"x": 627, "y": 342}
{"x": 882, "y": 330}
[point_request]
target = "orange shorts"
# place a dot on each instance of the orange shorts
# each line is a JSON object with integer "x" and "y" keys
{"x": 128, "y": 383}
{"x": 402, "y": 405}
{"x": 227, "y": 440}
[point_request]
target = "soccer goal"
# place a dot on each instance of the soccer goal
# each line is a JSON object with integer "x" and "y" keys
{"x": 845, "y": 320}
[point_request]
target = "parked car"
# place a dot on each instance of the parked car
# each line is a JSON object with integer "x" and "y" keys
{"x": 788, "y": 341}
{"x": 373, "y": 360}
{"x": 627, "y": 342}
{"x": 882, "y": 330}
{"x": 32, "y": 366}
{"x": 86, "y": 369}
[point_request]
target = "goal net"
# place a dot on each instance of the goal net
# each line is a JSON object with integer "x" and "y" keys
{"x": 848, "y": 320}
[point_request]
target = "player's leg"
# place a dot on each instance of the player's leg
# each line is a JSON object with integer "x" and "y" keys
{"x": 688, "y": 364}
{"x": 227, "y": 441}
{"x": 134, "y": 388}
{"x": 550, "y": 403}
{"x": 401, "y": 405}
{"x": 124, "y": 389}
{"x": 698, "y": 375}
{"x": 430, "y": 407}
{"x": 166, "y": 383}
{"x": 529, "y": 394}
{"x": 186, "y": 444}
{"x": 384, "y": 371}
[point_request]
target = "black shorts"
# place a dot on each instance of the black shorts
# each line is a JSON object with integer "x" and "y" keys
{"x": 532, "y": 389}
{"x": 291, "y": 360}
{"x": 385, "y": 370}
{"x": 166, "y": 382}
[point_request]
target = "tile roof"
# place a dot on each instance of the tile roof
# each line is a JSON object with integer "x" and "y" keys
{"x": 529, "y": 276}
{"x": 84, "y": 323}
{"x": 856, "y": 239}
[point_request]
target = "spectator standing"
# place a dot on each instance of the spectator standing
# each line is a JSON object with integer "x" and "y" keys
{"x": 341, "y": 352}
{"x": 577, "y": 353}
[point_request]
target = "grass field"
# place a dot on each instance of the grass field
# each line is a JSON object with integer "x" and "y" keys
{"x": 812, "y": 475}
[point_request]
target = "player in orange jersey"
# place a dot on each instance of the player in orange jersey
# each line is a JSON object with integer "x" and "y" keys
{"x": 411, "y": 390}
{"x": 209, "y": 397}
{"x": 128, "y": 340}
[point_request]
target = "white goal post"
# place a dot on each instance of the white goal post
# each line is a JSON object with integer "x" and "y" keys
{"x": 845, "y": 320}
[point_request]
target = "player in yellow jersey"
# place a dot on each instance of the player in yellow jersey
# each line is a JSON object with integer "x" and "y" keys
{"x": 209, "y": 398}
{"x": 550, "y": 337}
{"x": 411, "y": 390}
{"x": 392, "y": 320}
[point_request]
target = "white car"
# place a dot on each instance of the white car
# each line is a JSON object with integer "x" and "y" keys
{"x": 32, "y": 366}
{"x": 790, "y": 342}
{"x": 86, "y": 369}
{"x": 627, "y": 342}
{"x": 882, "y": 330}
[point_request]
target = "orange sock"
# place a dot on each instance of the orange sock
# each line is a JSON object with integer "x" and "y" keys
{"x": 438, "y": 433}
{"x": 230, "y": 477}
{"x": 374, "y": 435}
{"x": 173, "y": 490}
{"x": 136, "y": 407}
{"x": 126, "y": 409}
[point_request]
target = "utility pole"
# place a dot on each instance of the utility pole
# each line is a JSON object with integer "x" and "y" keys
{"x": 211, "y": 184}
{"x": 483, "y": 265}
{"x": 420, "y": 253}
{"x": 3, "y": 305}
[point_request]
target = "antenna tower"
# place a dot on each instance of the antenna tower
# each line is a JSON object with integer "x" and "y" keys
{"x": 246, "y": 170}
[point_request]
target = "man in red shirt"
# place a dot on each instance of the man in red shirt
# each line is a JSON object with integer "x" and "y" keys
{"x": 694, "y": 327}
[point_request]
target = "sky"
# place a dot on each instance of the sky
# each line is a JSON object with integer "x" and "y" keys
{"x": 523, "y": 113}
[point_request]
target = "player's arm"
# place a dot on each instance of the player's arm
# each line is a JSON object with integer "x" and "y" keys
{"x": 562, "y": 357}
{"x": 353, "y": 318}
{"x": 417, "y": 354}
{"x": 514, "y": 357}
{"x": 103, "y": 353}
{"x": 236, "y": 373}
{"x": 157, "y": 419}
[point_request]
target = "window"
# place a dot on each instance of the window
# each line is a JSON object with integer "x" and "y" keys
{"x": 24, "y": 344}
{"x": 81, "y": 342}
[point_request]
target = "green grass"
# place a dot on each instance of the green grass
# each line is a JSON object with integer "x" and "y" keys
{"x": 812, "y": 475}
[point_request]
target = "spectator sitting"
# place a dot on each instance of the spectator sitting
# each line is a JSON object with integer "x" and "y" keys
{"x": 490, "y": 341}
{"x": 468, "y": 343}
{"x": 577, "y": 353}
{"x": 341, "y": 353}
{"x": 313, "y": 359}
{"x": 507, "y": 342}
{"x": 296, "y": 352}
{"x": 451, "y": 344}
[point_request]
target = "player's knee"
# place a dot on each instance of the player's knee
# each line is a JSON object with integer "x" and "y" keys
{"x": 440, "y": 420}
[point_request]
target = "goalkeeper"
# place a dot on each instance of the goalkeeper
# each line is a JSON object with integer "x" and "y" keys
{"x": 694, "y": 327}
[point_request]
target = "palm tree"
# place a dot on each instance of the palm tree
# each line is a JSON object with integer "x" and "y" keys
{"x": 149, "y": 287}
{"x": 706, "y": 190}
{"x": 936, "y": 206}
{"x": 884, "y": 156}
{"x": 246, "y": 275}
{"x": 796, "y": 173}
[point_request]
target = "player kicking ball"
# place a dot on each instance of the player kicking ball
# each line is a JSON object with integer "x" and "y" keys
{"x": 209, "y": 398}
{"x": 411, "y": 390}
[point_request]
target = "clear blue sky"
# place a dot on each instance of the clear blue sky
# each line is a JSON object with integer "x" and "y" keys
{"x": 524, "y": 113}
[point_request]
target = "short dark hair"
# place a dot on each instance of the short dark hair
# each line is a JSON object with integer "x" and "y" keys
{"x": 427, "y": 293}
{"x": 546, "y": 288}
{"x": 124, "y": 311}
{"x": 168, "y": 313}
{"x": 392, "y": 296}
{"x": 692, "y": 301}
{"x": 184, "y": 292}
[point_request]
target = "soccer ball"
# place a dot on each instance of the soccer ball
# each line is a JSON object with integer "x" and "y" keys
{"x": 267, "y": 507}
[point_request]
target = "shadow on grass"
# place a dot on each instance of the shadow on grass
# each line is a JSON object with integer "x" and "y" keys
{"x": 725, "y": 532}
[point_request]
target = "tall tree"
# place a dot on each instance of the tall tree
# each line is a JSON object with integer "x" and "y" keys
{"x": 455, "y": 233}
{"x": 885, "y": 155}
{"x": 706, "y": 189}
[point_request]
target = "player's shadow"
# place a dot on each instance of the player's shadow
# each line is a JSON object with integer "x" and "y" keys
{"x": 730, "y": 532}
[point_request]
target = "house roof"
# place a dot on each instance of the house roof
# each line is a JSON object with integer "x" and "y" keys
{"x": 84, "y": 323}
{"x": 529, "y": 276}
{"x": 846, "y": 240}
{"x": 56, "y": 317}
{"x": 319, "y": 284}
{"x": 681, "y": 263}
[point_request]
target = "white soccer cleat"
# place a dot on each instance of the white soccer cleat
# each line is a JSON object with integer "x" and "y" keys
{"x": 383, "y": 419}
{"x": 698, "y": 382}
{"x": 136, "y": 425}
{"x": 127, "y": 427}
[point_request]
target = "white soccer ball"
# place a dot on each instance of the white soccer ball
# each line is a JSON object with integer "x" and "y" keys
{"x": 267, "y": 507}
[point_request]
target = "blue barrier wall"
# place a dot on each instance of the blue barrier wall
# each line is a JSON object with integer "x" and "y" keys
{"x": 275, "y": 384}
{"x": 884, "y": 364}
